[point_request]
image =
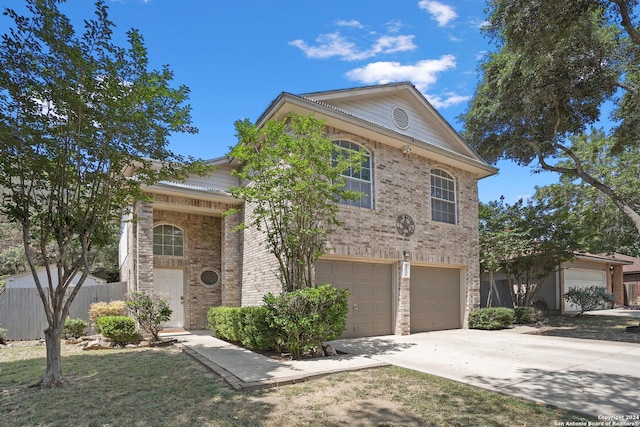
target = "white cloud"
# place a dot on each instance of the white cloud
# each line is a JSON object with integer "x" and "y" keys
{"x": 442, "y": 13}
{"x": 352, "y": 23}
{"x": 335, "y": 45}
{"x": 422, "y": 74}
{"x": 447, "y": 100}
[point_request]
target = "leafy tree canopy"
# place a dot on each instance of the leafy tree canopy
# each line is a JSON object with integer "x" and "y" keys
{"x": 77, "y": 115}
{"x": 293, "y": 176}
{"x": 557, "y": 68}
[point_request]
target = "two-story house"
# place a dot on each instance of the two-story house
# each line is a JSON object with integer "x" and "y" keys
{"x": 407, "y": 251}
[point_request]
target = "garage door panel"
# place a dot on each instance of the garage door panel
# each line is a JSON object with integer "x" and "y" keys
{"x": 370, "y": 309}
{"x": 582, "y": 278}
{"x": 435, "y": 299}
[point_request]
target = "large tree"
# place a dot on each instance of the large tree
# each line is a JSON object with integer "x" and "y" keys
{"x": 76, "y": 112}
{"x": 293, "y": 176}
{"x": 559, "y": 67}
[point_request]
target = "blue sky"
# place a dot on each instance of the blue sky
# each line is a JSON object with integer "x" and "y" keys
{"x": 237, "y": 56}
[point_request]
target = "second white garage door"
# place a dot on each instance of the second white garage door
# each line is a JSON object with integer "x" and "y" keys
{"x": 370, "y": 306}
{"x": 435, "y": 299}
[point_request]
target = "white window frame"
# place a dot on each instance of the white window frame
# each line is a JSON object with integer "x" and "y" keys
{"x": 443, "y": 196}
{"x": 166, "y": 240}
{"x": 356, "y": 183}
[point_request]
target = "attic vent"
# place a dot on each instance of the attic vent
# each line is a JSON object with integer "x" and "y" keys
{"x": 400, "y": 118}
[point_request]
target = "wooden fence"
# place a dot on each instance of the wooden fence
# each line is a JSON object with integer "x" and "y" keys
{"x": 22, "y": 314}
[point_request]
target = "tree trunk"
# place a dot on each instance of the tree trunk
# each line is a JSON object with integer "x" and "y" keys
{"x": 491, "y": 287}
{"x": 53, "y": 375}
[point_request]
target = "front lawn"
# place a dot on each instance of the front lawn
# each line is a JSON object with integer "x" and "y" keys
{"x": 164, "y": 387}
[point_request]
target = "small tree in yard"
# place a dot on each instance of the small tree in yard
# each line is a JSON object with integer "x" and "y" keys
{"x": 293, "y": 173}
{"x": 589, "y": 298}
{"x": 151, "y": 311}
{"x": 76, "y": 112}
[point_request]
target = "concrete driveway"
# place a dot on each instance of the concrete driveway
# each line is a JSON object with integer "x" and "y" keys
{"x": 599, "y": 378}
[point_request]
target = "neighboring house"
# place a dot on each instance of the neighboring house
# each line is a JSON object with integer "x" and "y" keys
{"x": 25, "y": 280}
{"x": 407, "y": 251}
{"x": 583, "y": 271}
{"x": 631, "y": 279}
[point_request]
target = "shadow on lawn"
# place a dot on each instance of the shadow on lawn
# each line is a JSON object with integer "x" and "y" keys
{"x": 124, "y": 387}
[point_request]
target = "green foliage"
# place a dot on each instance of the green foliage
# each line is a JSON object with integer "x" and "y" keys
{"x": 119, "y": 329}
{"x": 527, "y": 241}
{"x": 295, "y": 178}
{"x": 224, "y": 323}
{"x": 79, "y": 116}
{"x": 491, "y": 318}
{"x": 111, "y": 308}
{"x": 248, "y": 326}
{"x": 255, "y": 330}
{"x": 74, "y": 328}
{"x": 150, "y": 310}
{"x": 557, "y": 70}
{"x": 307, "y": 317}
{"x": 3, "y": 336}
{"x": 525, "y": 315}
{"x": 589, "y": 298}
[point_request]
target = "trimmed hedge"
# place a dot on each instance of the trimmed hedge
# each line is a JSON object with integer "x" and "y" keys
{"x": 491, "y": 318}
{"x": 294, "y": 322}
{"x": 525, "y": 315}
{"x": 119, "y": 329}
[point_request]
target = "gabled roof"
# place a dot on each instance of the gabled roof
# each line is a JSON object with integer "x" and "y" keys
{"x": 370, "y": 112}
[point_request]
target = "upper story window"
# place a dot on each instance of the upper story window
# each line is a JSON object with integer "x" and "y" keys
{"x": 168, "y": 240}
{"x": 358, "y": 180}
{"x": 443, "y": 197}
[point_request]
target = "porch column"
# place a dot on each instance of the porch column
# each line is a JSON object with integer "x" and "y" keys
{"x": 617, "y": 284}
{"x": 144, "y": 246}
{"x": 231, "y": 261}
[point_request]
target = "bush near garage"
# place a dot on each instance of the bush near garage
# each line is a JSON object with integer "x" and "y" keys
{"x": 589, "y": 298}
{"x": 295, "y": 322}
{"x": 491, "y": 318}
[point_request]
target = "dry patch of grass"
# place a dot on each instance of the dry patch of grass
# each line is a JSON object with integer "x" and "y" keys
{"x": 163, "y": 386}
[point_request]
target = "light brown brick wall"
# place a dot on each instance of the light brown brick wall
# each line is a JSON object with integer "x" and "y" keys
{"x": 202, "y": 237}
{"x": 402, "y": 186}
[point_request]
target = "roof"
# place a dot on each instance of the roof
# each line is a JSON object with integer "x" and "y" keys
{"x": 633, "y": 263}
{"x": 330, "y": 105}
{"x": 603, "y": 258}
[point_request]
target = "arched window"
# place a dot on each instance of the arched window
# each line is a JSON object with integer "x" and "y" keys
{"x": 168, "y": 240}
{"x": 443, "y": 197}
{"x": 358, "y": 180}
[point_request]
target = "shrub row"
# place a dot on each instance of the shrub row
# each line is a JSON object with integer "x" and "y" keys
{"x": 119, "y": 329}
{"x": 294, "y": 322}
{"x": 491, "y": 318}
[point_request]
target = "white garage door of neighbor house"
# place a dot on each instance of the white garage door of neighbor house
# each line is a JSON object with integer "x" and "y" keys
{"x": 435, "y": 299}
{"x": 580, "y": 278}
{"x": 171, "y": 282}
{"x": 370, "y": 308}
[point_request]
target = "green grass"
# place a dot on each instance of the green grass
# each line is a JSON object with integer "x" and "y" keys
{"x": 164, "y": 387}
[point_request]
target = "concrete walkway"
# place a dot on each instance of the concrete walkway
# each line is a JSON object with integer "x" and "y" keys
{"x": 598, "y": 378}
{"x": 244, "y": 369}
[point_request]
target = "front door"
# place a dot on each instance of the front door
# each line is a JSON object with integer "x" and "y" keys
{"x": 170, "y": 282}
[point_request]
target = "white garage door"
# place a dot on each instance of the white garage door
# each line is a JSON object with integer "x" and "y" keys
{"x": 370, "y": 312}
{"x": 171, "y": 283}
{"x": 580, "y": 278}
{"x": 435, "y": 299}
